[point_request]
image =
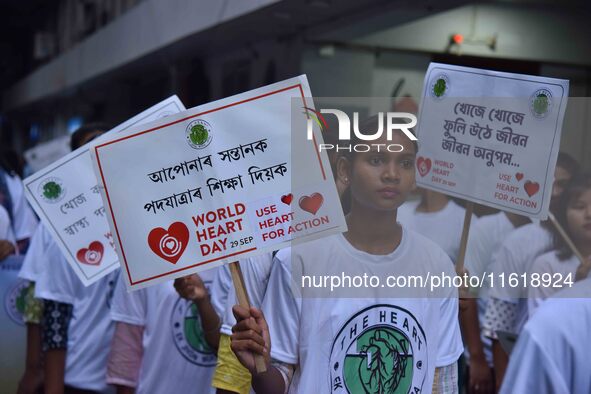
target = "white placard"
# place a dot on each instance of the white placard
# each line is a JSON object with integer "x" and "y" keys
{"x": 216, "y": 183}
{"x": 66, "y": 197}
{"x": 491, "y": 137}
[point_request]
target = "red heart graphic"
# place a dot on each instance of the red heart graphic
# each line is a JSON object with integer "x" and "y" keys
{"x": 531, "y": 188}
{"x": 91, "y": 255}
{"x": 170, "y": 244}
{"x": 287, "y": 199}
{"x": 519, "y": 176}
{"x": 423, "y": 165}
{"x": 311, "y": 203}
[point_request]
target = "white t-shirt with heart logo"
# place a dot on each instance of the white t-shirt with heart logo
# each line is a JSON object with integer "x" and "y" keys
{"x": 366, "y": 344}
{"x": 91, "y": 329}
{"x": 176, "y": 357}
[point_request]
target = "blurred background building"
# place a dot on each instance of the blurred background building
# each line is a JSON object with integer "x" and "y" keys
{"x": 70, "y": 61}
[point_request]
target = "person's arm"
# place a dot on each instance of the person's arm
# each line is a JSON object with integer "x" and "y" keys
{"x": 56, "y": 320}
{"x": 250, "y": 337}
{"x": 125, "y": 357}
{"x": 192, "y": 288}
{"x": 6, "y": 249}
{"x": 500, "y": 362}
{"x": 480, "y": 373}
{"x": 32, "y": 379}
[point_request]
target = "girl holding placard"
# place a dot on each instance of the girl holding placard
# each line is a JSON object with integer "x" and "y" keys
{"x": 372, "y": 338}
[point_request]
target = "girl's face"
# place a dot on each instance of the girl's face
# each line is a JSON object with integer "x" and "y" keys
{"x": 578, "y": 216}
{"x": 381, "y": 180}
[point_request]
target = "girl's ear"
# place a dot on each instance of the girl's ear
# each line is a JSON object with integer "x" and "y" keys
{"x": 343, "y": 170}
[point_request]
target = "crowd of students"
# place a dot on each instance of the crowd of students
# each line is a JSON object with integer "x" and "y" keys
{"x": 188, "y": 335}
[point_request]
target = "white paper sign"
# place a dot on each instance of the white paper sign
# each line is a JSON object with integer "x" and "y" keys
{"x": 66, "y": 197}
{"x": 215, "y": 184}
{"x": 491, "y": 137}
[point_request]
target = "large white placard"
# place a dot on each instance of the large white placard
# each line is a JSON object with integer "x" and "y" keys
{"x": 491, "y": 137}
{"x": 216, "y": 183}
{"x": 66, "y": 197}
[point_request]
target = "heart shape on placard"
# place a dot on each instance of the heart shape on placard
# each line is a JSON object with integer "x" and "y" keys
{"x": 519, "y": 176}
{"x": 311, "y": 203}
{"x": 531, "y": 188}
{"x": 169, "y": 244}
{"x": 423, "y": 166}
{"x": 91, "y": 255}
{"x": 287, "y": 199}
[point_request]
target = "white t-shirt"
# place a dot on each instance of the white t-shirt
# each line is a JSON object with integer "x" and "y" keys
{"x": 255, "y": 272}
{"x": 443, "y": 227}
{"x": 91, "y": 328}
{"x": 515, "y": 257}
{"x": 36, "y": 258}
{"x": 25, "y": 221}
{"x": 558, "y": 270}
{"x": 339, "y": 343}
{"x": 486, "y": 235}
{"x": 552, "y": 353}
{"x": 6, "y": 233}
{"x": 176, "y": 358}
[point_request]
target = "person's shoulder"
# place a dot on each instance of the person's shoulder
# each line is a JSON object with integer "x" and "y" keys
{"x": 522, "y": 235}
{"x": 425, "y": 250}
{"x": 544, "y": 261}
{"x": 493, "y": 221}
{"x": 562, "y": 312}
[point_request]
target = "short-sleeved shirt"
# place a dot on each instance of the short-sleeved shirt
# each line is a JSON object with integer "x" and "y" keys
{"x": 91, "y": 328}
{"x": 514, "y": 257}
{"x": 371, "y": 344}
{"x": 552, "y": 353}
{"x": 443, "y": 227}
{"x": 255, "y": 272}
{"x": 173, "y": 337}
{"x": 558, "y": 271}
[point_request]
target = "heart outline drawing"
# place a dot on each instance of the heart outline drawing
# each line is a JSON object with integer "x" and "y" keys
{"x": 519, "y": 176}
{"x": 287, "y": 199}
{"x": 423, "y": 165}
{"x": 531, "y": 188}
{"x": 169, "y": 244}
{"x": 93, "y": 255}
{"x": 311, "y": 203}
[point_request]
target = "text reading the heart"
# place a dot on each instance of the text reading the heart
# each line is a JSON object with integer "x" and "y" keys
{"x": 213, "y": 227}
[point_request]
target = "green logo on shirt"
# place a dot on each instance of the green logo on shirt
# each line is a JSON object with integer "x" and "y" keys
{"x": 380, "y": 350}
{"x": 188, "y": 335}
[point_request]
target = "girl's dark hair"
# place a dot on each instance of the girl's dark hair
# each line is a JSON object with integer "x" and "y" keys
{"x": 80, "y": 134}
{"x": 576, "y": 186}
{"x": 368, "y": 126}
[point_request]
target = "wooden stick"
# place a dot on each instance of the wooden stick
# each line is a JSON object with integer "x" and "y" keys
{"x": 243, "y": 301}
{"x": 464, "y": 240}
{"x": 566, "y": 238}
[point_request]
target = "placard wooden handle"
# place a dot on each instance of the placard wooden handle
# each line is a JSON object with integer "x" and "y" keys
{"x": 243, "y": 301}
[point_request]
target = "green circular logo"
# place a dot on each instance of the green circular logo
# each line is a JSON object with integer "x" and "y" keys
{"x": 188, "y": 335}
{"x": 541, "y": 103}
{"x": 14, "y": 301}
{"x": 51, "y": 190}
{"x": 439, "y": 86}
{"x": 198, "y": 134}
{"x": 381, "y": 349}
